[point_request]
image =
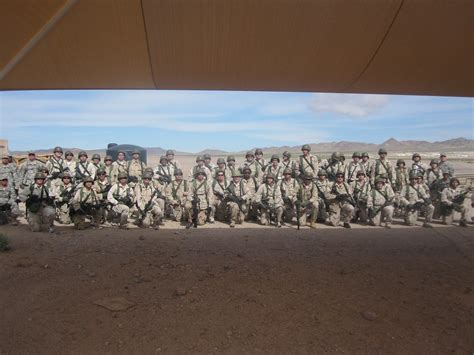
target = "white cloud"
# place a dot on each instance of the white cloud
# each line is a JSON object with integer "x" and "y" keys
{"x": 354, "y": 105}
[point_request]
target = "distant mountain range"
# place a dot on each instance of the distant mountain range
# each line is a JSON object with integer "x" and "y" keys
{"x": 392, "y": 145}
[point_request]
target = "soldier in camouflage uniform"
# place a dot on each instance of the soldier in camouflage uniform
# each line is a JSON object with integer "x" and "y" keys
{"x": 361, "y": 189}
{"x": 335, "y": 165}
{"x": 176, "y": 194}
{"x": 121, "y": 197}
{"x": 84, "y": 168}
{"x": 221, "y": 166}
{"x": 102, "y": 185}
{"x": 96, "y": 161}
{"x": 444, "y": 165}
{"x": 208, "y": 163}
{"x": 366, "y": 165}
{"x": 380, "y": 204}
{"x": 135, "y": 168}
{"x": 289, "y": 187}
{"x": 401, "y": 176}
{"x": 383, "y": 166}
{"x": 69, "y": 163}
{"x": 201, "y": 192}
{"x": 452, "y": 199}
{"x": 323, "y": 185}
{"x": 307, "y": 163}
{"x": 415, "y": 200}
{"x": 27, "y": 170}
{"x": 63, "y": 194}
{"x": 261, "y": 163}
{"x": 164, "y": 171}
{"x": 173, "y": 163}
{"x": 110, "y": 170}
{"x": 55, "y": 166}
{"x": 237, "y": 199}
{"x": 309, "y": 200}
{"x": 120, "y": 165}
{"x": 251, "y": 183}
{"x": 39, "y": 204}
{"x": 275, "y": 167}
{"x": 8, "y": 170}
{"x": 9, "y": 210}
{"x": 200, "y": 166}
{"x": 269, "y": 201}
{"x": 219, "y": 186}
{"x": 287, "y": 163}
{"x": 341, "y": 202}
{"x": 252, "y": 165}
{"x": 418, "y": 166}
{"x": 353, "y": 168}
{"x": 231, "y": 167}
{"x": 147, "y": 202}
{"x": 86, "y": 204}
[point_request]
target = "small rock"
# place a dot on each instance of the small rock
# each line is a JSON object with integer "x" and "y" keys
{"x": 369, "y": 315}
{"x": 228, "y": 333}
{"x": 293, "y": 291}
{"x": 106, "y": 343}
{"x": 141, "y": 237}
{"x": 90, "y": 273}
{"x": 46, "y": 266}
{"x": 180, "y": 291}
{"x": 115, "y": 304}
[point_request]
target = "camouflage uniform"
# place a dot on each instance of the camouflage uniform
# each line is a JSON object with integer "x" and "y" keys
{"x": 202, "y": 191}
{"x": 27, "y": 171}
{"x": 269, "y": 200}
{"x": 176, "y": 194}
{"x": 55, "y": 166}
{"x": 147, "y": 197}
{"x": 323, "y": 185}
{"x": 122, "y": 192}
{"x": 445, "y": 166}
{"x": 339, "y": 209}
{"x": 8, "y": 170}
{"x": 401, "y": 176}
{"x": 290, "y": 188}
{"x": 383, "y": 166}
{"x": 238, "y": 201}
{"x": 63, "y": 194}
{"x": 411, "y": 195}
{"x": 307, "y": 163}
{"x": 276, "y": 170}
{"x": 251, "y": 184}
{"x": 309, "y": 199}
{"x": 448, "y": 196}
{"x": 219, "y": 205}
{"x": 84, "y": 168}
{"x": 335, "y": 166}
{"x": 380, "y": 204}
{"x": 366, "y": 165}
{"x": 8, "y": 205}
{"x": 418, "y": 167}
{"x": 172, "y": 162}
{"x": 200, "y": 166}
{"x": 135, "y": 169}
{"x": 86, "y": 203}
{"x": 70, "y": 164}
{"x": 353, "y": 168}
{"x": 361, "y": 190}
{"x": 254, "y": 167}
{"x": 164, "y": 171}
{"x": 110, "y": 170}
{"x": 287, "y": 163}
{"x": 121, "y": 166}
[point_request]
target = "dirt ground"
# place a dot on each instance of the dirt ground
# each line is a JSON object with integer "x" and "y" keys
{"x": 211, "y": 290}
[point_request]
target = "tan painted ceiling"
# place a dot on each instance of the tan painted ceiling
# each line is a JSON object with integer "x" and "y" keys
{"x": 367, "y": 46}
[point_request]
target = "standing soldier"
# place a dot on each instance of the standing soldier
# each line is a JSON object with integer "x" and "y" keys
{"x": 199, "y": 200}
{"x": 341, "y": 202}
{"x": 173, "y": 163}
{"x": 39, "y": 204}
{"x": 452, "y": 199}
{"x": 380, "y": 204}
{"x": 361, "y": 190}
{"x": 237, "y": 199}
{"x": 433, "y": 176}
{"x": 275, "y": 167}
{"x": 102, "y": 185}
{"x": 176, "y": 194}
{"x": 269, "y": 201}
{"x": 149, "y": 211}
{"x": 84, "y": 168}
{"x": 415, "y": 200}
{"x": 353, "y": 168}
{"x": 8, "y": 170}
{"x": 261, "y": 163}
{"x": 110, "y": 170}
{"x": 307, "y": 163}
{"x": 55, "y": 166}
{"x": 287, "y": 163}
{"x": 63, "y": 194}
{"x": 444, "y": 165}
{"x": 121, "y": 197}
{"x": 289, "y": 187}
{"x": 9, "y": 210}
{"x": 96, "y": 161}
{"x": 120, "y": 164}
{"x": 86, "y": 204}
{"x": 335, "y": 166}
{"x": 219, "y": 186}
{"x": 401, "y": 176}
{"x": 252, "y": 185}
{"x": 198, "y": 167}
{"x": 207, "y": 162}
{"x": 164, "y": 171}
{"x": 251, "y": 164}
{"x": 231, "y": 167}
{"x": 383, "y": 166}
{"x": 135, "y": 168}
{"x": 366, "y": 164}
{"x": 27, "y": 171}
{"x": 418, "y": 167}
{"x": 70, "y": 163}
{"x": 309, "y": 200}
{"x": 221, "y": 166}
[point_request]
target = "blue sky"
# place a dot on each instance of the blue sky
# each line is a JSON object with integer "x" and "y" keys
{"x": 195, "y": 120}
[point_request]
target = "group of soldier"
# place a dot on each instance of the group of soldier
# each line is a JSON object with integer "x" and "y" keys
{"x": 302, "y": 191}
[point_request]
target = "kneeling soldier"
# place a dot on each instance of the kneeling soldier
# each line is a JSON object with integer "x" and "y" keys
{"x": 308, "y": 200}
{"x": 237, "y": 196}
{"x": 415, "y": 199}
{"x": 380, "y": 204}
{"x": 176, "y": 193}
{"x": 199, "y": 200}
{"x": 289, "y": 190}
{"x": 121, "y": 197}
{"x": 63, "y": 194}
{"x": 269, "y": 202}
{"x": 452, "y": 199}
{"x": 39, "y": 204}
{"x": 361, "y": 189}
{"x": 86, "y": 204}
{"x": 9, "y": 210}
{"x": 219, "y": 185}
{"x": 149, "y": 211}
{"x": 341, "y": 202}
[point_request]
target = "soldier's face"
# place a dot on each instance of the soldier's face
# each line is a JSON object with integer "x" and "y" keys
{"x": 200, "y": 162}
{"x": 164, "y": 162}
{"x": 413, "y": 181}
{"x": 361, "y": 177}
{"x": 382, "y": 155}
{"x": 221, "y": 165}
{"x": 270, "y": 181}
{"x": 287, "y": 176}
{"x": 200, "y": 177}
{"x": 417, "y": 159}
{"x": 123, "y": 181}
{"x": 69, "y": 157}
{"x": 258, "y": 156}
{"x": 379, "y": 185}
{"x": 4, "y": 182}
{"x": 121, "y": 156}
{"x": 355, "y": 159}
{"x": 58, "y": 154}
{"x": 364, "y": 159}
{"x": 307, "y": 182}
{"x": 250, "y": 158}
{"x": 247, "y": 175}
{"x": 31, "y": 157}
{"x": 146, "y": 181}
{"x": 275, "y": 162}
{"x": 454, "y": 184}
{"x": 207, "y": 161}
{"x": 102, "y": 177}
{"x": 39, "y": 182}
{"x": 96, "y": 161}
{"x": 231, "y": 162}
{"x": 339, "y": 178}
{"x": 236, "y": 179}
{"x": 5, "y": 161}
{"x": 443, "y": 158}
{"x": 220, "y": 177}
{"x": 88, "y": 184}
{"x": 305, "y": 151}
{"x": 322, "y": 177}
{"x": 66, "y": 180}
{"x": 108, "y": 162}
{"x": 83, "y": 158}
{"x": 135, "y": 156}
{"x": 178, "y": 177}
{"x": 170, "y": 157}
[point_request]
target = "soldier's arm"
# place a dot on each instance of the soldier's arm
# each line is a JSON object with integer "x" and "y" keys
{"x": 444, "y": 197}
{"x": 110, "y": 195}
{"x": 258, "y": 194}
